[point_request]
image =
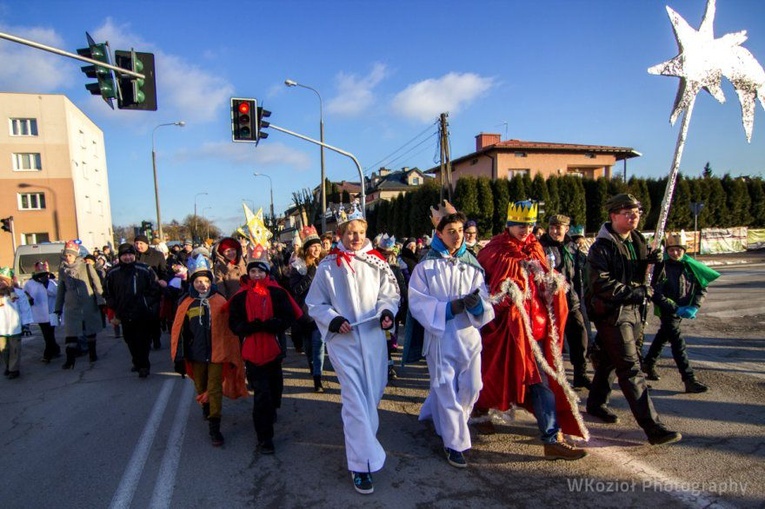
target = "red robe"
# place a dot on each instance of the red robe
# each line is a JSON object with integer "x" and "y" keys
{"x": 508, "y": 364}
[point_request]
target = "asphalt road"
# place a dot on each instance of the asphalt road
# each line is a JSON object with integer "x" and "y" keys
{"x": 98, "y": 436}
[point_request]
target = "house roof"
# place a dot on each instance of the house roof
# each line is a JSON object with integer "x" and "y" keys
{"x": 395, "y": 180}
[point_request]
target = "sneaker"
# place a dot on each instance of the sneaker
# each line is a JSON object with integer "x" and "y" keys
{"x": 455, "y": 458}
{"x": 604, "y": 414}
{"x": 563, "y": 451}
{"x": 363, "y": 483}
{"x": 694, "y": 387}
{"x": 267, "y": 447}
{"x": 659, "y": 435}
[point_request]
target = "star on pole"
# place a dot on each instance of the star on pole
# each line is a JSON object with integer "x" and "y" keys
{"x": 704, "y": 60}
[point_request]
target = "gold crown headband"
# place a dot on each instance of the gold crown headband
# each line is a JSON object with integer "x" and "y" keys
{"x": 439, "y": 212}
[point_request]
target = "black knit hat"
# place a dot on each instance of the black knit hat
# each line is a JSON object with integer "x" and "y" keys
{"x": 125, "y": 249}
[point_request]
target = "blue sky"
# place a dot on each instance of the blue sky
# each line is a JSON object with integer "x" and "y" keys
{"x": 558, "y": 71}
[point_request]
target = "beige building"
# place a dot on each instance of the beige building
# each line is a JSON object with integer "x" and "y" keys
{"x": 53, "y": 177}
{"x": 498, "y": 159}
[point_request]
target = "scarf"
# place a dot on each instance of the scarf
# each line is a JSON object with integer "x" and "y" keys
{"x": 703, "y": 274}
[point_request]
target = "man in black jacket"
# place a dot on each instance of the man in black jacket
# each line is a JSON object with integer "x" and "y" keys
{"x": 156, "y": 261}
{"x": 132, "y": 291}
{"x": 616, "y": 296}
{"x": 561, "y": 253}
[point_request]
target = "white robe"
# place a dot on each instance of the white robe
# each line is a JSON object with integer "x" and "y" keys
{"x": 452, "y": 348}
{"x": 361, "y": 290}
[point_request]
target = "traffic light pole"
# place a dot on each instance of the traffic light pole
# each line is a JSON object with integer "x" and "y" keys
{"x": 57, "y": 51}
{"x": 334, "y": 149}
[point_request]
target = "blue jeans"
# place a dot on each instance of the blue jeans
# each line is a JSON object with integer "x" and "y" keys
{"x": 315, "y": 351}
{"x": 543, "y": 402}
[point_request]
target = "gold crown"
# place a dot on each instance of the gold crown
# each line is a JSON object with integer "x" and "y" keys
{"x": 677, "y": 239}
{"x": 523, "y": 212}
{"x": 439, "y": 212}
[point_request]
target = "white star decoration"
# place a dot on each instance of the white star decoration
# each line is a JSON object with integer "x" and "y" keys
{"x": 704, "y": 60}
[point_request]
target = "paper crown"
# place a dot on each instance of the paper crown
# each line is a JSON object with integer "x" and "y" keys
{"x": 576, "y": 231}
{"x": 309, "y": 234}
{"x": 386, "y": 242}
{"x": 352, "y": 215}
{"x": 72, "y": 246}
{"x": 440, "y": 211}
{"x": 677, "y": 239}
{"x": 199, "y": 265}
{"x": 41, "y": 267}
{"x": 522, "y": 212}
{"x": 6, "y": 272}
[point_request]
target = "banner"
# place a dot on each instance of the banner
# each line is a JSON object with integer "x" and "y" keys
{"x": 723, "y": 240}
{"x": 755, "y": 239}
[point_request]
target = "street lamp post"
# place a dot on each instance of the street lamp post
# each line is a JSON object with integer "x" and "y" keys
{"x": 207, "y": 223}
{"x": 196, "y": 222}
{"x": 292, "y": 83}
{"x": 271, "y": 185}
{"x": 180, "y": 123}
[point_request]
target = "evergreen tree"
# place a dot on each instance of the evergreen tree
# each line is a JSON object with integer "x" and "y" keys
{"x": 700, "y": 194}
{"x": 757, "y": 199}
{"x": 382, "y": 224}
{"x": 395, "y": 219}
{"x": 572, "y": 198}
{"x": 406, "y": 213}
{"x": 466, "y": 197}
{"x": 596, "y": 194}
{"x": 718, "y": 211}
{"x": 638, "y": 187}
{"x": 501, "y": 199}
{"x": 538, "y": 192}
{"x": 680, "y": 216}
{"x": 423, "y": 198}
{"x": 707, "y": 172}
{"x": 485, "y": 217}
{"x": 737, "y": 200}
{"x": 517, "y": 188}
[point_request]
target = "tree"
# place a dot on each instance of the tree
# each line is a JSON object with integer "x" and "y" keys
{"x": 757, "y": 199}
{"x": 466, "y": 196}
{"x": 680, "y": 215}
{"x": 596, "y": 194}
{"x": 718, "y": 211}
{"x": 737, "y": 200}
{"x": 306, "y": 203}
{"x": 517, "y": 188}
{"x": 572, "y": 198}
{"x": 707, "y": 172}
{"x": 501, "y": 199}
{"x": 538, "y": 192}
{"x": 485, "y": 217}
{"x": 423, "y": 198}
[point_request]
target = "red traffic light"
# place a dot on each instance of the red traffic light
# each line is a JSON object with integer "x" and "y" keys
{"x": 244, "y": 108}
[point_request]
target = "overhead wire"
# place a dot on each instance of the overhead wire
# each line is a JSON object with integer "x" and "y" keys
{"x": 385, "y": 161}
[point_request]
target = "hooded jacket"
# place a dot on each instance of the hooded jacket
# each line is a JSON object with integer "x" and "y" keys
{"x": 228, "y": 273}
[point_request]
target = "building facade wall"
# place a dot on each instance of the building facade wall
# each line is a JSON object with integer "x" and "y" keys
{"x": 72, "y": 175}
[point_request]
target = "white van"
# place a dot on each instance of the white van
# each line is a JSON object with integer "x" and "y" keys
{"x": 26, "y": 257}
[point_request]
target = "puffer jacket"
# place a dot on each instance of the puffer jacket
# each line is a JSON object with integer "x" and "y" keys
{"x": 613, "y": 280}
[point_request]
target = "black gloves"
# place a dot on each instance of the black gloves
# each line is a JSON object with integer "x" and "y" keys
{"x": 642, "y": 293}
{"x": 472, "y": 300}
{"x": 655, "y": 256}
{"x": 387, "y": 314}
{"x": 457, "y": 306}
{"x": 334, "y": 325}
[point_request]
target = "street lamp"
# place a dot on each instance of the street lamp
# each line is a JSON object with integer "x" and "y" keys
{"x": 207, "y": 236}
{"x": 180, "y": 123}
{"x": 292, "y": 83}
{"x": 196, "y": 222}
{"x": 271, "y": 185}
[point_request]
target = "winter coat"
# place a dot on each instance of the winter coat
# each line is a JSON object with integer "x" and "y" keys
{"x": 15, "y": 312}
{"x": 132, "y": 291}
{"x": 155, "y": 260}
{"x": 674, "y": 286}
{"x": 613, "y": 280}
{"x": 43, "y": 298}
{"x": 565, "y": 263}
{"x": 79, "y": 298}
{"x": 226, "y": 272}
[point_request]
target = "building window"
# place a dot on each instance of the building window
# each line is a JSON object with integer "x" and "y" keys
{"x": 27, "y": 162}
{"x": 521, "y": 154}
{"x": 34, "y": 238}
{"x": 589, "y": 155}
{"x": 416, "y": 181}
{"x": 31, "y": 201}
{"x": 23, "y": 127}
{"x": 514, "y": 173}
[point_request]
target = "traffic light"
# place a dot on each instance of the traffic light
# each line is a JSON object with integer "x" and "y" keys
{"x": 262, "y": 124}
{"x": 106, "y": 86}
{"x": 7, "y": 224}
{"x": 243, "y": 127}
{"x": 136, "y": 93}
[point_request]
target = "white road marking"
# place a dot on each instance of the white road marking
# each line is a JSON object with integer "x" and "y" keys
{"x": 163, "y": 489}
{"x": 126, "y": 489}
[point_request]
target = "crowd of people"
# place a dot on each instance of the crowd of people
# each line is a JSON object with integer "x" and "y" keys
{"x": 491, "y": 319}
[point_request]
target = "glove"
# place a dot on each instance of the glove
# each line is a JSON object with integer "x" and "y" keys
{"x": 334, "y": 325}
{"x": 655, "y": 256}
{"x": 457, "y": 306}
{"x": 472, "y": 300}
{"x": 387, "y": 314}
{"x": 25, "y": 330}
{"x": 687, "y": 312}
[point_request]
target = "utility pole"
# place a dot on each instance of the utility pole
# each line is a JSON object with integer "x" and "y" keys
{"x": 446, "y": 164}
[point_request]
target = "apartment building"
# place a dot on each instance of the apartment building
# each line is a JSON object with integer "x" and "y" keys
{"x": 53, "y": 175}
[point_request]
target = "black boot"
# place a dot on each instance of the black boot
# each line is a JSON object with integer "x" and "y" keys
{"x": 649, "y": 368}
{"x": 71, "y": 355}
{"x": 92, "y": 351}
{"x": 693, "y": 386}
{"x": 317, "y": 387}
{"x": 582, "y": 381}
{"x": 215, "y": 436}
{"x": 206, "y": 411}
